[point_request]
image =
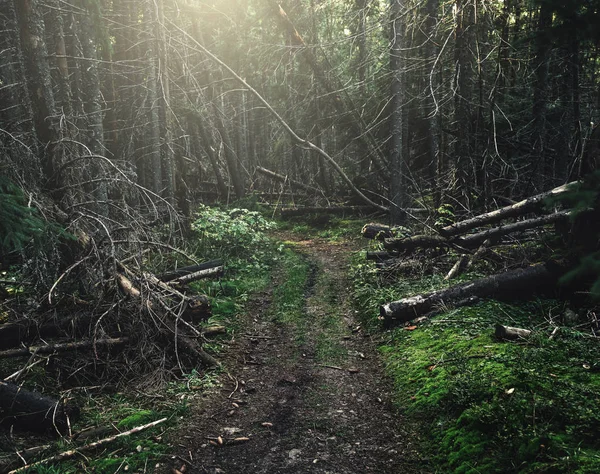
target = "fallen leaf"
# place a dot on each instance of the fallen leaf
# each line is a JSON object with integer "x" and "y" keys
{"x": 431, "y": 367}
{"x": 510, "y": 391}
{"x": 410, "y": 328}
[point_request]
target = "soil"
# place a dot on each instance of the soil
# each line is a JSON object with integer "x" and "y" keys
{"x": 280, "y": 410}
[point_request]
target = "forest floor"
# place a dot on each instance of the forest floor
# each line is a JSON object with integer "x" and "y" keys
{"x": 300, "y": 394}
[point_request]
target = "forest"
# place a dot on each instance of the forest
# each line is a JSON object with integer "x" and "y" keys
{"x": 168, "y": 167}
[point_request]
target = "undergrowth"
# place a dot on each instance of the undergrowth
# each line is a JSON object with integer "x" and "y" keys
{"x": 238, "y": 237}
{"x": 488, "y": 406}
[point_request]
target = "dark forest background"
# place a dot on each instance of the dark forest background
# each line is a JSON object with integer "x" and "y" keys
{"x": 118, "y": 117}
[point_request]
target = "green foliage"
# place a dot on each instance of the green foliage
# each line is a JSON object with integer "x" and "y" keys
{"x": 445, "y": 215}
{"x": 19, "y": 223}
{"x": 231, "y": 233}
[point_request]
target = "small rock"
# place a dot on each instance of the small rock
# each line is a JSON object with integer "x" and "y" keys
{"x": 231, "y": 431}
{"x": 294, "y": 453}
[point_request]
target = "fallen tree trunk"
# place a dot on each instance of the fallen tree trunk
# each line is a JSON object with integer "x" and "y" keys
{"x": 183, "y": 271}
{"x": 508, "y": 284}
{"x": 409, "y": 244}
{"x": 376, "y": 231}
{"x": 509, "y": 333}
{"x": 25, "y": 330}
{"x": 64, "y": 347}
{"x": 475, "y": 240}
{"x": 530, "y": 204}
{"x": 208, "y": 273}
{"x": 31, "y": 411}
{"x": 284, "y": 179}
{"x": 472, "y": 241}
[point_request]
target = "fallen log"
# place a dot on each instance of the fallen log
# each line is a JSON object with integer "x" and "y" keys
{"x": 409, "y": 244}
{"x": 284, "y": 179}
{"x": 531, "y": 204}
{"x": 214, "y": 331}
{"x": 23, "y": 331}
{"x": 475, "y": 240}
{"x": 507, "y": 284}
{"x": 32, "y": 411}
{"x": 509, "y": 333}
{"x": 208, "y": 273}
{"x": 63, "y": 347}
{"x": 471, "y": 241}
{"x": 184, "y": 271}
{"x": 376, "y": 231}
{"x": 458, "y": 267}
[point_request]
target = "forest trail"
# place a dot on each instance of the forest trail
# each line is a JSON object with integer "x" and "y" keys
{"x": 310, "y": 395}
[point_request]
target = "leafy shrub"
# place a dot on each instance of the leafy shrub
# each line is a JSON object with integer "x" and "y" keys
{"x": 232, "y": 233}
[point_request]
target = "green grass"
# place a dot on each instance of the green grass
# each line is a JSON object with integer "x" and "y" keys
{"x": 487, "y": 406}
{"x": 331, "y": 327}
{"x": 288, "y": 295}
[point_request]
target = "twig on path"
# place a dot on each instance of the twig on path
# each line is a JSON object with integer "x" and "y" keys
{"x": 331, "y": 367}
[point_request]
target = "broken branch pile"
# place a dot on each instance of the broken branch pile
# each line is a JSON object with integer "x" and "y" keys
{"x": 473, "y": 241}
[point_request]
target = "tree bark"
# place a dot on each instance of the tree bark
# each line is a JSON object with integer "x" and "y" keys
{"x": 474, "y": 240}
{"x": 531, "y": 204}
{"x": 523, "y": 281}
{"x": 509, "y": 333}
{"x": 284, "y": 179}
{"x": 63, "y": 347}
{"x": 39, "y": 81}
{"x": 376, "y": 231}
{"x": 31, "y": 411}
{"x": 398, "y": 192}
{"x": 183, "y": 271}
{"x": 543, "y": 45}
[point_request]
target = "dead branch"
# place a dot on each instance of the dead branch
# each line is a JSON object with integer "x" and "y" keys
{"x": 64, "y": 347}
{"x": 88, "y": 447}
{"x": 530, "y": 204}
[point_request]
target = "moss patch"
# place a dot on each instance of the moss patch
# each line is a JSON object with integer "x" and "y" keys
{"x": 490, "y": 406}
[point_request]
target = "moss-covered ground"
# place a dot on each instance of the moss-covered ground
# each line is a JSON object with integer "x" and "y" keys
{"x": 487, "y": 406}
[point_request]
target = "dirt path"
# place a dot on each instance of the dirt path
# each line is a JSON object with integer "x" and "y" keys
{"x": 301, "y": 412}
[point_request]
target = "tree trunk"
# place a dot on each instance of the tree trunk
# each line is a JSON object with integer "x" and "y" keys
{"x": 523, "y": 281}
{"x": 31, "y": 411}
{"x": 531, "y": 204}
{"x": 39, "y": 82}
{"x": 540, "y": 67}
{"x": 151, "y": 161}
{"x": 93, "y": 103}
{"x": 174, "y": 274}
{"x": 398, "y": 192}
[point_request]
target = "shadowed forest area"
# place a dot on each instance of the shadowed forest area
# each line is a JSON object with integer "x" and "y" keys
{"x": 183, "y": 189}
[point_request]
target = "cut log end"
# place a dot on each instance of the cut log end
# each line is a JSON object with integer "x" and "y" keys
{"x": 508, "y": 333}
